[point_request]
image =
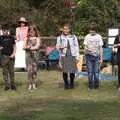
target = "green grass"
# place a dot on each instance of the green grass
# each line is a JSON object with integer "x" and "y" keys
{"x": 51, "y": 102}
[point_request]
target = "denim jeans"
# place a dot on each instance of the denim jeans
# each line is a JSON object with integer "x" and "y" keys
{"x": 93, "y": 71}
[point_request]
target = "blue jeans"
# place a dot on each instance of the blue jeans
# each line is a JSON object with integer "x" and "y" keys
{"x": 93, "y": 71}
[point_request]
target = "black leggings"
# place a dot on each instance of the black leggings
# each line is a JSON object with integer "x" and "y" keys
{"x": 119, "y": 74}
{"x": 65, "y": 78}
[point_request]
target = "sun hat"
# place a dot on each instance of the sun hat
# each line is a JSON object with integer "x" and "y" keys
{"x": 22, "y": 19}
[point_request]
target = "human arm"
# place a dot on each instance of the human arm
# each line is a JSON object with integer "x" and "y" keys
{"x": 77, "y": 48}
{"x": 37, "y": 46}
{"x": 14, "y": 51}
{"x": 101, "y": 49}
{"x": 59, "y": 45}
{"x": 101, "y": 54}
{"x": 116, "y": 42}
{"x": 17, "y": 34}
{"x": 1, "y": 47}
{"x": 26, "y": 46}
{"x": 86, "y": 48}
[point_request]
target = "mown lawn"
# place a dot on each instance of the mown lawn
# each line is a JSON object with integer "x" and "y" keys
{"x": 51, "y": 102}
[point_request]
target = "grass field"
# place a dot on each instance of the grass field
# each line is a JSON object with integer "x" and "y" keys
{"x": 51, "y": 102}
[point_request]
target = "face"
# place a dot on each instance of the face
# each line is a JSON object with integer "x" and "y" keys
{"x": 66, "y": 30}
{"x": 92, "y": 32}
{"x": 6, "y": 32}
{"x": 32, "y": 33}
{"x": 22, "y": 24}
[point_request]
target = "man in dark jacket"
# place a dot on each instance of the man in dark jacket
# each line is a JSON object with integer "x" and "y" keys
{"x": 8, "y": 48}
{"x": 117, "y": 45}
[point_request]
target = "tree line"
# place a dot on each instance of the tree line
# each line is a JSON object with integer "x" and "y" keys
{"x": 50, "y": 15}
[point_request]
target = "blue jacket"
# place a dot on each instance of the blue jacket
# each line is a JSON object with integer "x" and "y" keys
{"x": 63, "y": 40}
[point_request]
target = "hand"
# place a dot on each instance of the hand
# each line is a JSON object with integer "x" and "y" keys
{"x": 17, "y": 40}
{"x": 89, "y": 49}
{"x": 62, "y": 47}
{"x": 117, "y": 45}
{"x": 60, "y": 66}
{"x": 1, "y": 48}
{"x": 27, "y": 47}
{"x": 100, "y": 61}
{"x": 12, "y": 56}
{"x": 77, "y": 61}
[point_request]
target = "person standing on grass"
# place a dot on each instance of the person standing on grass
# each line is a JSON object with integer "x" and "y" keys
{"x": 93, "y": 51}
{"x": 21, "y": 34}
{"x": 67, "y": 45}
{"x": 117, "y": 45}
{"x": 8, "y": 49}
{"x": 114, "y": 62}
{"x": 31, "y": 45}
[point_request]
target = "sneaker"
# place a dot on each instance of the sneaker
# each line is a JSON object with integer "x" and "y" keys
{"x": 13, "y": 87}
{"x": 90, "y": 88}
{"x": 71, "y": 86}
{"x": 119, "y": 88}
{"x": 7, "y": 88}
{"x": 66, "y": 87}
{"x": 30, "y": 87}
{"x": 34, "y": 86}
{"x": 96, "y": 87}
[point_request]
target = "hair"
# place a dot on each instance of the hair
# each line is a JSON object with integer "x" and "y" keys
{"x": 93, "y": 27}
{"x": 69, "y": 26}
{"x": 33, "y": 27}
{"x": 19, "y": 22}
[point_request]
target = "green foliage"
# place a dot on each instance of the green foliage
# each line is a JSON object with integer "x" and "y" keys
{"x": 105, "y": 13}
{"x": 49, "y": 15}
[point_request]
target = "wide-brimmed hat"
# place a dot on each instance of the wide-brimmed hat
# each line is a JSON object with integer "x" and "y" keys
{"x": 22, "y": 19}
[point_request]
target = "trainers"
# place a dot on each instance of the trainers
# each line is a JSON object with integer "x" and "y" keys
{"x": 13, "y": 87}
{"x": 119, "y": 88}
{"x": 6, "y": 88}
{"x": 90, "y": 88}
{"x": 30, "y": 87}
{"x": 71, "y": 86}
{"x": 34, "y": 86}
{"x": 66, "y": 87}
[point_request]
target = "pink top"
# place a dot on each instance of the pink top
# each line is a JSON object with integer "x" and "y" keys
{"x": 21, "y": 33}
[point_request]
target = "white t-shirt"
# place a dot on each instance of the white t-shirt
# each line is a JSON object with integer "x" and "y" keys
{"x": 94, "y": 43}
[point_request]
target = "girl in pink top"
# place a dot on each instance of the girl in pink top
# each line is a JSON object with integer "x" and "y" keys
{"x": 21, "y": 31}
{"x": 21, "y": 34}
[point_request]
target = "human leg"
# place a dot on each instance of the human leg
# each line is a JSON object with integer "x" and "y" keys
{"x": 72, "y": 77}
{"x": 11, "y": 73}
{"x": 65, "y": 78}
{"x": 5, "y": 61}
{"x": 90, "y": 72}
{"x": 96, "y": 73}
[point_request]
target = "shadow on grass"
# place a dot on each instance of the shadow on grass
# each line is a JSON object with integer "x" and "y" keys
{"x": 52, "y": 109}
{"x": 52, "y": 102}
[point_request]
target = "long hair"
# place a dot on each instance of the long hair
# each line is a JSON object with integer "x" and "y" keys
{"x": 33, "y": 27}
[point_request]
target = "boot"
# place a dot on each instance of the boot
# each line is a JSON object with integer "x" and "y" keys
{"x": 65, "y": 78}
{"x": 72, "y": 76}
{"x": 13, "y": 87}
